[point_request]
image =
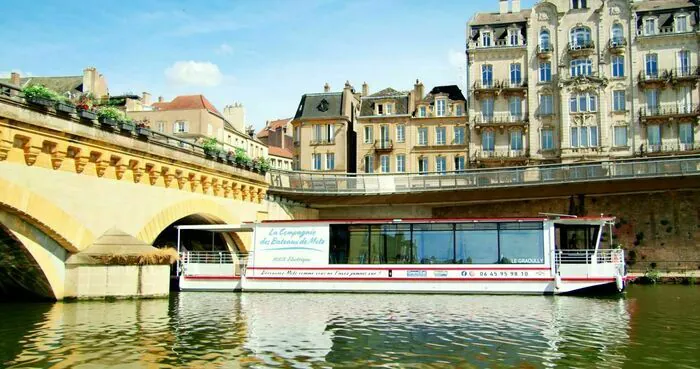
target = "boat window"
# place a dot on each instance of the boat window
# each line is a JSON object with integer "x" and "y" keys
{"x": 433, "y": 243}
{"x": 477, "y": 243}
{"x": 576, "y": 236}
{"x": 391, "y": 244}
{"x": 521, "y": 243}
{"x": 359, "y": 245}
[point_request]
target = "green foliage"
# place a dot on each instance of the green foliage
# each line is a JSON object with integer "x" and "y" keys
{"x": 652, "y": 276}
{"x": 241, "y": 158}
{"x": 40, "y": 92}
{"x": 211, "y": 146}
{"x": 108, "y": 112}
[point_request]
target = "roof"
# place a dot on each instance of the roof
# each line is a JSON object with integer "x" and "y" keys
{"x": 498, "y": 18}
{"x": 272, "y": 126}
{"x": 59, "y": 84}
{"x": 453, "y": 93}
{"x": 321, "y": 105}
{"x": 278, "y": 151}
{"x": 662, "y": 4}
{"x": 400, "y": 100}
{"x": 188, "y": 102}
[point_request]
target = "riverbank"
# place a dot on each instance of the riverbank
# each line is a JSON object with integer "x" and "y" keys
{"x": 656, "y": 277}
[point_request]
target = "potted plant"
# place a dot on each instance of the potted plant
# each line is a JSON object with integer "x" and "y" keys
{"x": 127, "y": 124}
{"x": 39, "y": 95}
{"x": 265, "y": 165}
{"x": 143, "y": 128}
{"x": 84, "y": 107}
{"x": 109, "y": 116}
{"x": 242, "y": 160}
{"x": 211, "y": 148}
{"x": 63, "y": 105}
{"x": 256, "y": 164}
{"x": 231, "y": 157}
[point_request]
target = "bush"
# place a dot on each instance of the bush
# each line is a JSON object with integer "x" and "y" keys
{"x": 40, "y": 92}
{"x": 652, "y": 276}
{"x": 211, "y": 146}
{"x": 107, "y": 112}
{"x": 242, "y": 157}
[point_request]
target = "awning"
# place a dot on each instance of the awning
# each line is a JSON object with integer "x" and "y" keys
{"x": 217, "y": 227}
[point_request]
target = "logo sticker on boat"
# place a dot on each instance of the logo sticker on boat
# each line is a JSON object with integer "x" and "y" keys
{"x": 416, "y": 273}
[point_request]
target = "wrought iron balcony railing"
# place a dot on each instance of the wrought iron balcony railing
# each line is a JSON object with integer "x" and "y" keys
{"x": 487, "y": 85}
{"x": 500, "y": 118}
{"x": 668, "y": 148}
{"x": 665, "y": 31}
{"x": 617, "y": 43}
{"x": 383, "y": 145}
{"x": 500, "y": 154}
{"x": 669, "y": 110}
{"x": 581, "y": 46}
{"x": 322, "y": 141}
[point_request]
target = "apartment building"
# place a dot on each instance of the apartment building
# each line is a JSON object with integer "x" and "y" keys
{"x": 277, "y": 136}
{"x": 577, "y": 80}
{"x": 324, "y": 133}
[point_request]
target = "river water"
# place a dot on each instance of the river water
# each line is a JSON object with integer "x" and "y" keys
{"x": 647, "y": 327}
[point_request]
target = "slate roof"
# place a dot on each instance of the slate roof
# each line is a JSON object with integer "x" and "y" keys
{"x": 272, "y": 126}
{"x": 498, "y": 18}
{"x": 453, "y": 93}
{"x": 400, "y": 100}
{"x": 188, "y": 102}
{"x": 73, "y": 84}
{"x": 320, "y": 105}
{"x": 662, "y": 4}
{"x": 278, "y": 151}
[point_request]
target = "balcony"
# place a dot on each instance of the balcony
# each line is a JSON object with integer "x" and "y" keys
{"x": 497, "y": 44}
{"x": 665, "y": 149}
{"x": 498, "y": 157}
{"x": 669, "y": 112}
{"x": 544, "y": 51}
{"x": 581, "y": 48}
{"x": 322, "y": 142}
{"x": 690, "y": 74}
{"x": 514, "y": 87}
{"x": 500, "y": 120}
{"x": 617, "y": 45}
{"x": 488, "y": 88}
{"x": 667, "y": 31}
{"x": 383, "y": 145}
{"x": 654, "y": 78}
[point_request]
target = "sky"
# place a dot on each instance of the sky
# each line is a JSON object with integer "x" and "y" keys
{"x": 264, "y": 54}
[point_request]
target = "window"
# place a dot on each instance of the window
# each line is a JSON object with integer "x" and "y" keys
{"x": 544, "y": 40}
{"x": 652, "y": 100}
{"x": 422, "y": 112}
{"x": 618, "y": 66}
{"x": 654, "y": 135}
{"x": 441, "y": 164}
{"x": 297, "y": 134}
{"x": 440, "y": 105}
{"x": 578, "y": 4}
{"x": 515, "y": 107}
{"x": 380, "y": 109}
{"x": 487, "y": 108}
{"x": 400, "y": 133}
{"x": 684, "y": 62}
{"x": 316, "y": 159}
{"x": 459, "y": 110}
{"x": 546, "y": 105}
{"x": 514, "y": 37}
{"x": 547, "y": 139}
{"x": 440, "y": 135}
{"x": 423, "y": 164}
{"x": 545, "y": 71}
{"x": 210, "y": 129}
{"x": 619, "y": 101}
{"x": 330, "y": 161}
{"x": 651, "y": 65}
{"x": 485, "y": 38}
{"x": 369, "y": 135}
{"x": 521, "y": 243}
{"x": 369, "y": 164}
{"x": 330, "y": 132}
{"x": 180, "y": 127}
{"x": 487, "y": 75}
{"x": 316, "y": 128}
{"x": 650, "y": 26}
{"x": 685, "y": 133}
{"x": 401, "y": 163}
{"x": 583, "y": 103}
{"x": 685, "y": 99}
{"x": 574, "y": 136}
{"x": 384, "y": 163}
{"x": 160, "y": 126}
{"x": 581, "y": 67}
{"x": 488, "y": 142}
{"x": 477, "y": 243}
{"x": 583, "y": 136}
{"x": 422, "y": 136}
{"x": 620, "y": 136}
{"x": 459, "y": 163}
{"x": 516, "y": 140}
{"x": 433, "y": 243}
{"x": 459, "y": 136}
{"x": 515, "y": 74}
{"x": 617, "y": 37}
{"x": 580, "y": 38}
{"x": 681, "y": 23}
{"x": 586, "y": 136}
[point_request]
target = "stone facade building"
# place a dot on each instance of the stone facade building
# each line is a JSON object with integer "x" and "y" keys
{"x": 277, "y": 135}
{"x": 583, "y": 80}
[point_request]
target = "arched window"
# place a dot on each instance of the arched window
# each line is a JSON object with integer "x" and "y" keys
{"x": 544, "y": 40}
{"x": 617, "y": 36}
{"x": 580, "y": 37}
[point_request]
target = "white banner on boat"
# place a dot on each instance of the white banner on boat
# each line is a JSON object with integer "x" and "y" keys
{"x": 291, "y": 245}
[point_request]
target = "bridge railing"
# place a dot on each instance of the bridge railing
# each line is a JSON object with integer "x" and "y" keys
{"x": 375, "y": 184}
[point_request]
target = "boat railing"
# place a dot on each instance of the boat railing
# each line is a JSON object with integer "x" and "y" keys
{"x": 239, "y": 261}
{"x": 590, "y": 256}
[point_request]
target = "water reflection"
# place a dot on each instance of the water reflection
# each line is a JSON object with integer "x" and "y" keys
{"x": 227, "y": 330}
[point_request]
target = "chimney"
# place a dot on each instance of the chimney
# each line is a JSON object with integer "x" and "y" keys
{"x": 160, "y": 99}
{"x": 145, "y": 98}
{"x": 326, "y": 87}
{"x": 418, "y": 90}
{"x": 15, "y": 79}
{"x": 365, "y": 89}
{"x": 515, "y": 6}
{"x": 503, "y": 6}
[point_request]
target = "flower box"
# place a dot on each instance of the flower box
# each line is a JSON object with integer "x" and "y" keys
{"x": 143, "y": 132}
{"x": 108, "y": 122}
{"x": 222, "y": 156}
{"x": 231, "y": 158}
{"x": 127, "y": 126}
{"x": 210, "y": 154}
{"x": 40, "y": 101}
{"x": 87, "y": 114}
{"x": 65, "y": 108}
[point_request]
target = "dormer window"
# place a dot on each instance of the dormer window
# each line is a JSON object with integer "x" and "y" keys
{"x": 422, "y": 112}
{"x": 681, "y": 23}
{"x": 385, "y": 109}
{"x": 650, "y": 27}
{"x": 440, "y": 106}
{"x": 579, "y": 4}
{"x": 514, "y": 37}
{"x": 486, "y": 38}
{"x": 380, "y": 109}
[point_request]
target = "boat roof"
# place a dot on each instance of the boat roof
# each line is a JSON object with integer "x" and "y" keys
{"x": 559, "y": 219}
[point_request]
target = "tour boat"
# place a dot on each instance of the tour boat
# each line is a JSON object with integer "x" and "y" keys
{"x": 548, "y": 255}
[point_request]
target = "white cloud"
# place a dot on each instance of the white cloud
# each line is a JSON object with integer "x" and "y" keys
{"x": 457, "y": 59}
{"x": 194, "y": 73}
{"x": 224, "y": 49}
{"x": 6, "y": 74}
